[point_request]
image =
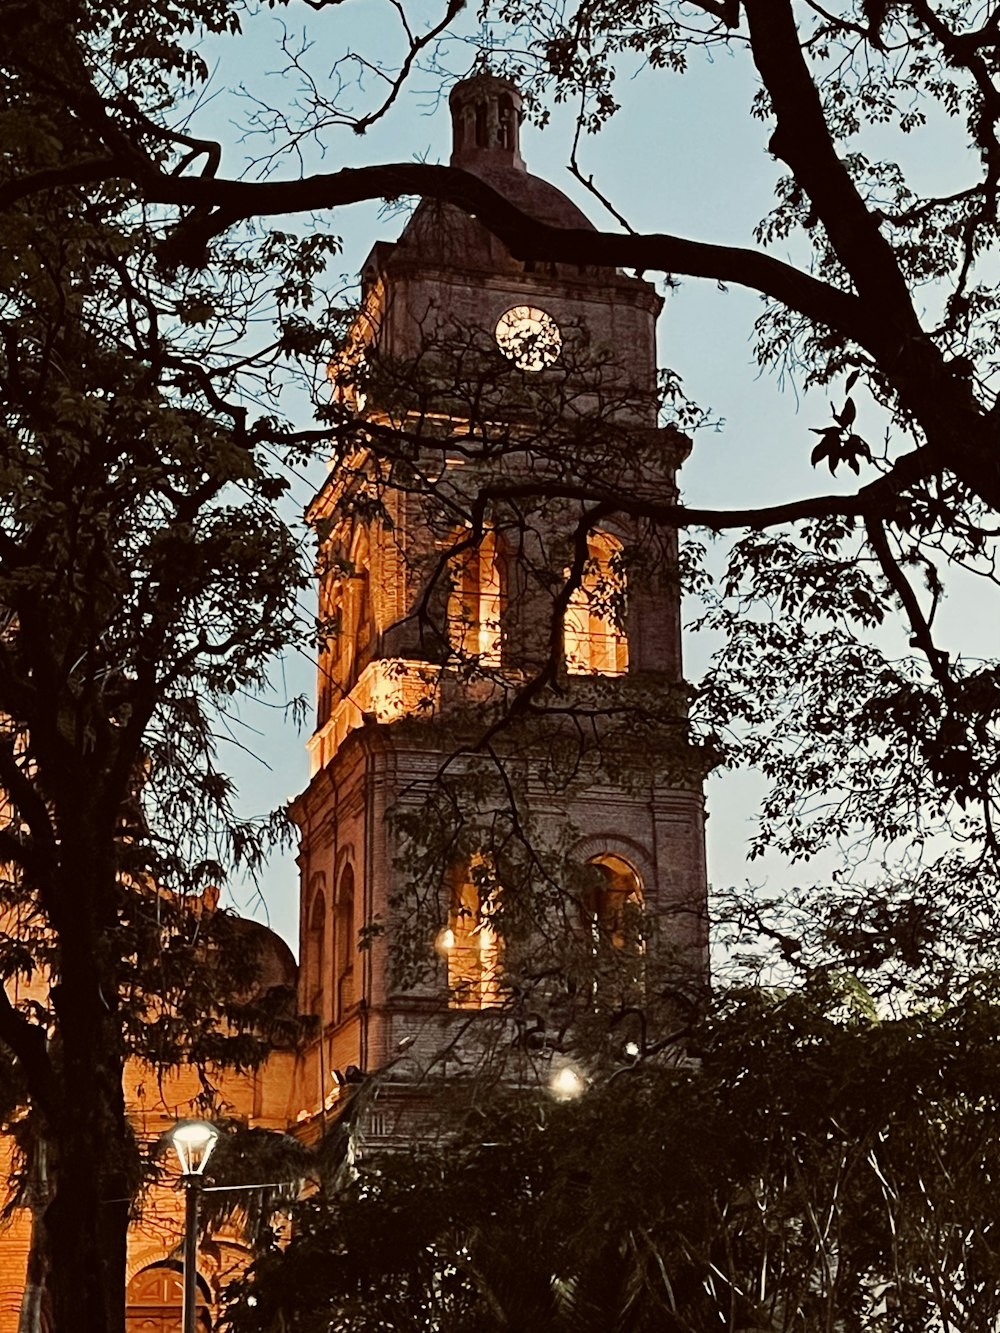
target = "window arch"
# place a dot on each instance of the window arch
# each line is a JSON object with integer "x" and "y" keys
{"x": 154, "y": 1298}
{"x": 614, "y": 914}
{"x": 505, "y": 129}
{"x": 346, "y": 622}
{"x": 362, "y": 610}
{"x": 593, "y": 638}
{"x": 330, "y": 627}
{"x": 314, "y": 954}
{"x": 477, "y": 599}
{"x": 470, "y": 942}
{"x": 345, "y": 944}
{"x": 614, "y": 900}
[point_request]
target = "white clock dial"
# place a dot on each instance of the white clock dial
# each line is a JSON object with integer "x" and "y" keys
{"x": 529, "y": 337}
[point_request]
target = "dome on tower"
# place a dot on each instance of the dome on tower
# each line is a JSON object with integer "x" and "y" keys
{"x": 486, "y": 116}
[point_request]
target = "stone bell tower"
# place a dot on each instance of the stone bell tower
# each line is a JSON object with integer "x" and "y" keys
{"x": 489, "y": 591}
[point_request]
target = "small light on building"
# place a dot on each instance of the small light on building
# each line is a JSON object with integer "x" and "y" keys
{"x": 631, "y": 1050}
{"x": 445, "y": 941}
{"x": 566, "y": 1083}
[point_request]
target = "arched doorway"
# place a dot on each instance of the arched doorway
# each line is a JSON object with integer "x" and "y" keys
{"x": 155, "y": 1297}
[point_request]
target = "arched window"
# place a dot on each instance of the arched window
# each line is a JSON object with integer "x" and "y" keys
{"x": 476, "y": 600}
{"x": 329, "y": 628}
{"x": 362, "y": 611}
{"x": 594, "y": 641}
{"x": 613, "y": 906}
{"x": 470, "y": 942}
{"x": 346, "y": 620}
{"x": 313, "y": 955}
{"x": 614, "y": 902}
{"x": 505, "y": 129}
{"x": 345, "y": 943}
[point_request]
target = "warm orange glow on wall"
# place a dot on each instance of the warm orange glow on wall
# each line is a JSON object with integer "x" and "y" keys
{"x": 388, "y": 690}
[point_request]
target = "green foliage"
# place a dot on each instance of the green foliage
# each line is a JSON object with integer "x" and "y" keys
{"x": 818, "y": 1167}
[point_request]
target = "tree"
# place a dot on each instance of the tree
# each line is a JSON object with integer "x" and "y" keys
{"x": 146, "y": 582}
{"x": 819, "y": 1169}
{"x": 868, "y": 244}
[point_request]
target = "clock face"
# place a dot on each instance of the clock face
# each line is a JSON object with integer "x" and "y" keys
{"x": 529, "y": 337}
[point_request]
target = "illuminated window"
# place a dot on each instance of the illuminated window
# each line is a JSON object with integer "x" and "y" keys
{"x": 595, "y": 643}
{"x": 346, "y": 621}
{"x": 331, "y": 627}
{"x": 470, "y": 942}
{"x": 345, "y": 943}
{"x": 614, "y": 916}
{"x": 614, "y": 902}
{"x": 476, "y": 601}
{"x": 314, "y": 954}
{"x": 362, "y": 612}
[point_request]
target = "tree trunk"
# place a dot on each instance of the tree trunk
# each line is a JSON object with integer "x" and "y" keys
{"x": 35, "y": 1305}
{"x": 93, "y": 1151}
{"x": 86, "y": 1224}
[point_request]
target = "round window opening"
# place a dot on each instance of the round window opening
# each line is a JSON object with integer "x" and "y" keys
{"x": 529, "y": 337}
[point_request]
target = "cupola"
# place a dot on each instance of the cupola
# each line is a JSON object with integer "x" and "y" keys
{"x": 486, "y": 114}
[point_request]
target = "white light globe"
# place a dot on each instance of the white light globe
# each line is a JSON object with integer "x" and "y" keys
{"x": 193, "y": 1142}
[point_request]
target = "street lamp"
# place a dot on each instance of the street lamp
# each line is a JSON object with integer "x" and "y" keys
{"x": 193, "y": 1142}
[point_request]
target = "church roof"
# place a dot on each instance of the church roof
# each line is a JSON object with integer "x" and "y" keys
{"x": 275, "y": 959}
{"x": 537, "y": 197}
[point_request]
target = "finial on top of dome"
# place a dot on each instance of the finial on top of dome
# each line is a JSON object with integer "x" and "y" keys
{"x": 486, "y": 114}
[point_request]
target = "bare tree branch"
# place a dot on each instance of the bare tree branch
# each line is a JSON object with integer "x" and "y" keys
{"x": 226, "y": 202}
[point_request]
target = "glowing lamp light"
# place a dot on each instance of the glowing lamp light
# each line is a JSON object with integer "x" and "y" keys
{"x": 566, "y": 1084}
{"x": 193, "y": 1142}
{"x": 632, "y": 1050}
{"x": 445, "y": 941}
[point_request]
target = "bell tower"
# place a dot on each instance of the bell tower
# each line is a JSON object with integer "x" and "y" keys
{"x": 499, "y": 630}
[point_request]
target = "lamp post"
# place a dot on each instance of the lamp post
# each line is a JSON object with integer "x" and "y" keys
{"x": 193, "y": 1142}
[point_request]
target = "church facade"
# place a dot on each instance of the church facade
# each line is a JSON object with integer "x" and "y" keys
{"x": 500, "y": 696}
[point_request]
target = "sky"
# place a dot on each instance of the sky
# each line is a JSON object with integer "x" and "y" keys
{"x": 683, "y": 155}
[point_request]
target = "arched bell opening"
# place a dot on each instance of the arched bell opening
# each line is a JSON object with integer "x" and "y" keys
{"x": 594, "y": 640}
